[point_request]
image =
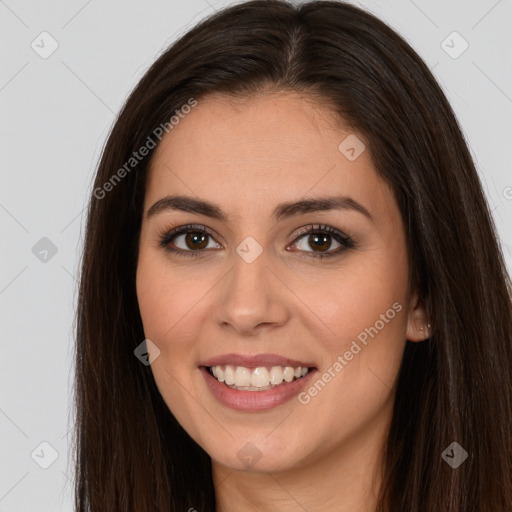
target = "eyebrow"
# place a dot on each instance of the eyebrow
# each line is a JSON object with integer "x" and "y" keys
{"x": 281, "y": 211}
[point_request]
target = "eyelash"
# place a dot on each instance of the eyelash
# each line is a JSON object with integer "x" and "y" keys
{"x": 346, "y": 242}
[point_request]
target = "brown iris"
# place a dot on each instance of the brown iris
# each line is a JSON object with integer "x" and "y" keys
{"x": 315, "y": 240}
{"x": 196, "y": 238}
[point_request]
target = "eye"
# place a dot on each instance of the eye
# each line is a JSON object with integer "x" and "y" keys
{"x": 320, "y": 238}
{"x": 194, "y": 238}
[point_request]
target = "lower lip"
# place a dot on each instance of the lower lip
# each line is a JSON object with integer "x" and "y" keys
{"x": 252, "y": 401}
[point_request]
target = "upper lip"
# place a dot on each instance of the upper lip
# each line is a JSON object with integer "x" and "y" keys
{"x": 253, "y": 361}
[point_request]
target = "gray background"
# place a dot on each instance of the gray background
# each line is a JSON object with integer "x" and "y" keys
{"x": 55, "y": 115}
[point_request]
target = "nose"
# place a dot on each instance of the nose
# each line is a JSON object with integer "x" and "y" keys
{"x": 251, "y": 298}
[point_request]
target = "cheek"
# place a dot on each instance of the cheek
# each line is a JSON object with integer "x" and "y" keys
{"x": 364, "y": 323}
{"x": 167, "y": 311}
{"x": 167, "y": 302}
{"x": 351, "y": 300}
{"x": 354, "y": 388}
{"x": 172, "y": 309}
{"x": 154, "y": 305}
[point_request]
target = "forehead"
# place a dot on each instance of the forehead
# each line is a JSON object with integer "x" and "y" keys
{"x": 253, "y": 152}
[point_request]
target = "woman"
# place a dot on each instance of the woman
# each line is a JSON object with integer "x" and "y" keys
{"x": 292, "y": 294}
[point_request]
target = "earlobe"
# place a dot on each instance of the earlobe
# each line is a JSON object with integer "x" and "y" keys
{"x": 418, "y": 326}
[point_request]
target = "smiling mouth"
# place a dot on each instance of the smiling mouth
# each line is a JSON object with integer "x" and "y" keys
{"x": 260, "y": 378}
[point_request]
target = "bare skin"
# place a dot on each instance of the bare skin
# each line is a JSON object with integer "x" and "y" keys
{"x": 248, "y": 155}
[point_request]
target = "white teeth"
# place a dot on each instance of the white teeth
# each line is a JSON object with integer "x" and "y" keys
{"x": 229, "y": 375}
{"x": 257, "y": 379}
{"x": 276, "y": 375}
{"x": 260, "y": 378}
{"x": 288, "y": 374}
{"x": 242, "y": 376}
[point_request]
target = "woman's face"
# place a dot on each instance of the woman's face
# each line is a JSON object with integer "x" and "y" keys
{"x": 252, "y": 297}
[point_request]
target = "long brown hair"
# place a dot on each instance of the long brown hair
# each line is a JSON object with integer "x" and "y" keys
{"x": 131, "y": 453}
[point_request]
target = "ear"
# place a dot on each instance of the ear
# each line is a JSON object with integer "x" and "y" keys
{"x": 418, "y": 326}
